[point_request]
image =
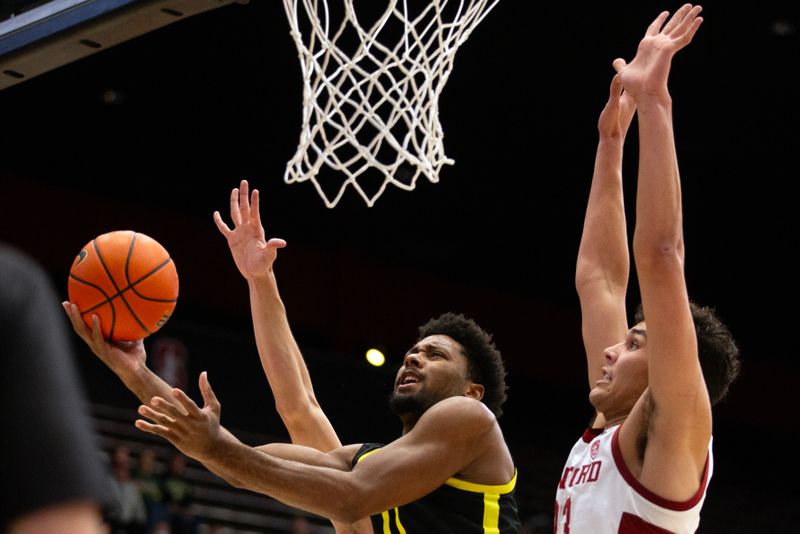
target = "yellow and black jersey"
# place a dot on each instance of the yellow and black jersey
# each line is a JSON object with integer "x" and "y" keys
{"x": 456, "y": 506}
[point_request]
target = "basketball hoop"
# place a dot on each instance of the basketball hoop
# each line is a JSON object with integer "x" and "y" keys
{"x": 371, "y": 93}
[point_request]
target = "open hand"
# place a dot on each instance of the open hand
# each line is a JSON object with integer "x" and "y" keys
{"x": 251, "y": 251}
{"x": 647, "y": 74}
{"x": 196, "y": 433}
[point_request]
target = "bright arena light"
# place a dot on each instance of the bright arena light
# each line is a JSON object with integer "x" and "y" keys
{"x": 375, "y": 357}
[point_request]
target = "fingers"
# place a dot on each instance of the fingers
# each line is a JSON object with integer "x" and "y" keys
{"x": 97, "y": 333}
{"x": 167, "y": 407}
{"x": 236, "y": 215}
{"x": 623, "y": 101}
{"x": 77, "y": 321}
{"x": 162, "y": 423}
{"x": 276, "y": 243}
{"x": 167, "y": 418}
{"x": 676, "y": 19}
{"x": 682, "y": 18}
{"x": 209, "y": 397}
{"x": 655, "y": 26}
{"x": 255, "y": 209}
{"x": 684, "y": 24}
{"x": 92, "y": 337}
{"x": 158, "y": 430}
{"x": 155, "y": 416}
{"x": 183, "y": 400}
{"x": 241, "y": 210}
{"x": 615, "y": 90}
{"x": 616, "y": 100}
{"x": 223, "y": 228}
{"x": 244, "y": 200}
{"x": 689, "y": 35}
{"x": 619, "y": 64}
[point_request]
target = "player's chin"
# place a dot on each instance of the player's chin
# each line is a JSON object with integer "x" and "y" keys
{"x": 402, "y": 403}
{"x": 398, "y": 395}
{"x": 598, "y": 395}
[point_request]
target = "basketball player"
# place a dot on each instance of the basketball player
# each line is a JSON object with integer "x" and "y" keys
{"x": 451, "y": 471}
{"x": 645, "y": 464}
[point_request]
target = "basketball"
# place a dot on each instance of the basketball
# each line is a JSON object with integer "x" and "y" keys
{"x": 128, "y": 280}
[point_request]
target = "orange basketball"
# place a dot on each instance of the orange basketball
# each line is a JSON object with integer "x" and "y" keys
{"x": 128, "y": 280}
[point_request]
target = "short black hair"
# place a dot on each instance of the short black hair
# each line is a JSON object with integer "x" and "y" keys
{"x": 718, "y": 352}
{"x": 485, "y": 363}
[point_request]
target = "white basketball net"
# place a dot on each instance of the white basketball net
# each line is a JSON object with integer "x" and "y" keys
{"x": 375, "y": 107}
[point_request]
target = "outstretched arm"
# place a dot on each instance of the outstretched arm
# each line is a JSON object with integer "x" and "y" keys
{"x": 449, "y": 438}
{"x": 280, "y": 355}
{"x": 680, "y": 419}
{"x": 601, "y": 275}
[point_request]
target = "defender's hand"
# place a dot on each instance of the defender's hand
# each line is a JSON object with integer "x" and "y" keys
{"x": 251, "y": 251}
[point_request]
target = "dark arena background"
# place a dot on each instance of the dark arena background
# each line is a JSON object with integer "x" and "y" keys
{"x": 151, "y": 134}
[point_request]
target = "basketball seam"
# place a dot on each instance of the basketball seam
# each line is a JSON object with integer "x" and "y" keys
{"x": 121, "y": 296}
{"x": 114, "y": 283}
{"x": 107, "y": 300}
{"x": 131, "y": 285}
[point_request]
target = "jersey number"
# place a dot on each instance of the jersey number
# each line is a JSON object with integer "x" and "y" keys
{"x": 565, "y": 511}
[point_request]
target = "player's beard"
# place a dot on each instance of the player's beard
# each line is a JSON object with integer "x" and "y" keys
{"x": 409, "y": 404}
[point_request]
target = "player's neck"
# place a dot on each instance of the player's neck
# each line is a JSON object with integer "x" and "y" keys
{"x": 615, "y": 420}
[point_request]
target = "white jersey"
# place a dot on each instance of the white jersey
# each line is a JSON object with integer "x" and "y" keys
{"x": 597, "y": 494}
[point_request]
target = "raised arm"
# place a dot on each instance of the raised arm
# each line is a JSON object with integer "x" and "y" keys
{"x": 456, "y": 436}
{"x": 601, "y": 275}
{"x": 280, "y": 355}
{"x": 680, "y": 419}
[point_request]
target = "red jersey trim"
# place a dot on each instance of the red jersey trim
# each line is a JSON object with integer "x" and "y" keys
{"x": 646, "y": 493}
{"x": 632, "y": 524}
{"x": 590, "y": 433}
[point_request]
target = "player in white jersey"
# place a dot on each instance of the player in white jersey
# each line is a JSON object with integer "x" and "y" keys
{"x": 599, "y": 493}
{"x": 645, "y": 464}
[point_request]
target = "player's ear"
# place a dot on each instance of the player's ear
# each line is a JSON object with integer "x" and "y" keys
{"x": 474, "y": 391}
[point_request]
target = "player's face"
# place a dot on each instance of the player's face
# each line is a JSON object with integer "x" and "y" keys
{"x": 434, "y": 369}
{"x": 624, "y": 375}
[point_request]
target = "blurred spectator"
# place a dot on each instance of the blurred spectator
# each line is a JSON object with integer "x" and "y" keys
{"x": 127, "y": 515}
{"x": 151, "y": 486}
{"x": 178, "y": 494}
